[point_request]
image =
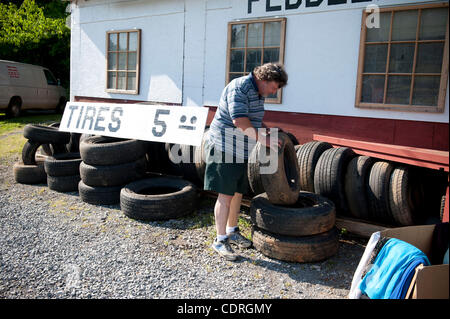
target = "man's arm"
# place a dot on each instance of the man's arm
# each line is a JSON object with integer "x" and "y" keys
{"x": 244, "y": 124}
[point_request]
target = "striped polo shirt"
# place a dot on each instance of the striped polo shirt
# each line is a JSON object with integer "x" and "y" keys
{"x": 240, "y": 98}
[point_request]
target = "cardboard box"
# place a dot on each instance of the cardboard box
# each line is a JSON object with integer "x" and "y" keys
{"x": 429, "y": 282}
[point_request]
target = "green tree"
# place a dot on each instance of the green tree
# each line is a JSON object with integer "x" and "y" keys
{"x": 36, "y": 34}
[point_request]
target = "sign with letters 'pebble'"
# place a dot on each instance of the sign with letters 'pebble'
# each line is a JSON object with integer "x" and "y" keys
{"x": 160, "y": 123}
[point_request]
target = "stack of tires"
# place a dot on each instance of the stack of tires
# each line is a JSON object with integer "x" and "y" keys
{"x": 289, "y": 224}
{"x": 303, "y": 232}
{"x": 368, "y": 188}
{"x": 108, "y": 164}
{"x": 30, "y": 170}
{"x": 63, "y": 171}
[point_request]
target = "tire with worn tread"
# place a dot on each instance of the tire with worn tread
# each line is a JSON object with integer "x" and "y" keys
{"x": 283, "y": 186}
{"x": 45, "y": 134}
{"x": 65, "y": 164}
{"x": 112, "y": 175}
{"x": 311, "y": 214}
{"x": 329, "y": 176}
{"x": 378, "y": 192}
{"x": 355, "y": 185}
{"x": 63, "y": 183}
{"x": 29, "y": 152}
{"x": 103, "y": 150}
{"x": 29, "y": 174}
{"x": 303, "y": 249}
{"x": 308, "y": 155}
{"x": 97, "y": 195}
{"x": 406, "y": 196}
{"x": 158, "y": 198}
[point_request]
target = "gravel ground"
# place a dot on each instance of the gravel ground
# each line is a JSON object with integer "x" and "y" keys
{"x": 53, "y": 245}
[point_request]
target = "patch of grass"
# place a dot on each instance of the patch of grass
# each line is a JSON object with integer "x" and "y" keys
{"x": 8, "y": 125}
{"x": 11, "y": 145}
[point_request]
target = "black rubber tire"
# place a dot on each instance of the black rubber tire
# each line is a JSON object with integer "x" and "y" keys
{"x": 74, "y": 143}
{"x": 406, "y": 196}
{"x": 113, "y": 175}
{"x": 308, "y": 155}
{"x": 329, "y": 176}
{"x": 311, "y": 214}
{"x": 29, "y": 174}
{"x": 99, "y": 195}
{"x": 45, "y": 134}
{"x": 355, "y": 185}
{"x": 293, "y": 138}
{"x": 378, "y": 192}
{"x": 304, "y": 249}
{"x": 63, "y": 183}
{"x": 158, "y": 198}
{"x": 29, "y": 152}
{"x": 283, "y": 186}
{"x": 66, "y": 164}
{"x": 14, "y": 109}
{"x": 442, "y": 208}
{"x": 103, "y": 150}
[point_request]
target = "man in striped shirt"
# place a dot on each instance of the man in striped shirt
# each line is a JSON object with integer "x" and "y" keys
{"x": 234, "y": 131}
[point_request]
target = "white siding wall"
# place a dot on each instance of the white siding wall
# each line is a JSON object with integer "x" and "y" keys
{"x": 183, "y": 52}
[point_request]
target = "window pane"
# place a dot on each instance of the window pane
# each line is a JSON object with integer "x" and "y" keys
{"x": 111, "y": 80}
{"x": 433, "y": 24}
{"x": 372, "y": 89}
{"x": 237, "y": 61}
{"x": 254, "y": 35}
{"x": 398, "y": 90}
{"x": 113, "y": 42}
{"x": 112, "y": 62}
{"x": 405, "y": 25}
{"x": 381, "y": 33}
{"x": 402, "y": 58}
{"x": 133, "y": 41}
{"x": 121, "y": 81}
{"x": 235, "y": 76}
{"x": 132, "y": 61}
{"x": 272, "y": 96}
{"x": 272, "y": 34}
{"x": 375, "y": 58}
{"x": 131, "y": 82}
{"x": 426, "y": 90}
{"x": 271, "y": 55}
{"x": 253, "y": 59}
{"x": 122, "y": 41}
{"x": 429, "y": 57}
{"x": 238, "y": 36}
{"x": 122, "y": 61}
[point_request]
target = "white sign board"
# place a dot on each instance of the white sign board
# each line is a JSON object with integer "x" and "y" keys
{"x": 160, "y": 123}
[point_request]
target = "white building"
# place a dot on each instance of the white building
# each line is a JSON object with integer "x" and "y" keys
{"x": 375, "y": 70}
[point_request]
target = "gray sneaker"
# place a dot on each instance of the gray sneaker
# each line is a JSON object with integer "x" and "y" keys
{"x": 224, "y": 249}
{"x": 235, "y": 238}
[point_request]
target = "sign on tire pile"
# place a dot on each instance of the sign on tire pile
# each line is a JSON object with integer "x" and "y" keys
{"x": 289, "y": 224}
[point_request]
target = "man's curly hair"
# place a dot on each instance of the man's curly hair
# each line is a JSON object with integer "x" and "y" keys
{"x": 271, "y": 72}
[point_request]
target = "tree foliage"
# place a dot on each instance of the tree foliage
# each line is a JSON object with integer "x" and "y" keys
{"x": 35, "y": 32}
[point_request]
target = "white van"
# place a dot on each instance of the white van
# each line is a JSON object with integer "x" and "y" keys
{"x": 26, "y": 86}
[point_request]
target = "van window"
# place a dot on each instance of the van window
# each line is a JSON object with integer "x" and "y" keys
{"x": 50, "y": 78}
